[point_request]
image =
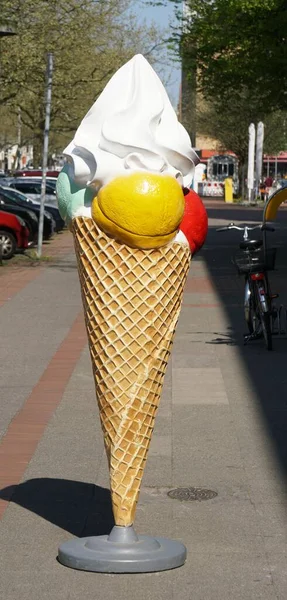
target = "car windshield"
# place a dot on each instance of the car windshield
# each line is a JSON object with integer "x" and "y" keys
{"x": 33, "y": 187}
{"x": 29, "y": 188}
{"x": 16, "y": 195}
{"x": 50, "y": 184}
{"x": 50, "y": 188}
{"x": 7, "y": 197}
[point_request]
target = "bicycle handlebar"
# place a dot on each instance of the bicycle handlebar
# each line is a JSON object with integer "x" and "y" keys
{"x": 232, "y": 226}
{"x": 246, "y": 228}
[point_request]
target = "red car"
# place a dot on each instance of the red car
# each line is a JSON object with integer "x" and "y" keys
{"x": 35, "y": 173}
{"x": 13, "y": 234}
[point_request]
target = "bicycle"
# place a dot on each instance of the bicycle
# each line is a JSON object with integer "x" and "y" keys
{"x": 254, "y": 260}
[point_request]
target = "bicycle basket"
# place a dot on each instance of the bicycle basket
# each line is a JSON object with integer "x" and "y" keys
{"x": 252, "y": 262}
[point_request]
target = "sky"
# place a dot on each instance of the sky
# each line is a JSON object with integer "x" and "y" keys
{"x": 162, "y": 15}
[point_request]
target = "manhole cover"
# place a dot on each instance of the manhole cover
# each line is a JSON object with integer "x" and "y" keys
{"x": 191, "y": 493}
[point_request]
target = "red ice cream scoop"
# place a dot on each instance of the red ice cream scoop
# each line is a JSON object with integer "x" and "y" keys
{"x": 194, "y": 224}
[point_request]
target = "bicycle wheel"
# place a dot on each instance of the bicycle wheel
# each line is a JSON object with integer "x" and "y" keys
{"x": 248, "y": 309}
{"x": 264, "y": 315}
{"x": 251, "y": 310}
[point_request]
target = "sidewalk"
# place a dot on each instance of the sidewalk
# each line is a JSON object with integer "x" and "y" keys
{"x": 221, "y": 426}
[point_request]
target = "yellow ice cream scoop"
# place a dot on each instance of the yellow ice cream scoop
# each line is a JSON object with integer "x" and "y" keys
{"x": 142, "y": 210}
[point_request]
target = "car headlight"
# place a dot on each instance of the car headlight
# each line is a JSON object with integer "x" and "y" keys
{"x": 21, "y": 221}
{"x": 47, "y": 215}
{"x": 32, "y": 215}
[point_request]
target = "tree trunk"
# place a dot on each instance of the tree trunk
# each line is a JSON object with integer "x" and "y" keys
{"x": 37, "y": 152}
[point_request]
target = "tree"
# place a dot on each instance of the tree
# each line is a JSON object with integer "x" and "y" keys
{"x": 90, "y": 40}
{"x": 238, "y": 45}
{"x": 234, "y": 44}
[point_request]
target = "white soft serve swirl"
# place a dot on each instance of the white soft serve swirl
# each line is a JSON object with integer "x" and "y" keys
{"x": 131, "y": 127}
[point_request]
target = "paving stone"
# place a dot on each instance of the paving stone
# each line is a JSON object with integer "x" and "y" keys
{"x": 188, "y": 386}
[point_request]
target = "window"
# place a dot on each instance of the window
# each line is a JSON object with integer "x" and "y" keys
{"x": 50, "y": 190}
{"x": 27, "y": 189}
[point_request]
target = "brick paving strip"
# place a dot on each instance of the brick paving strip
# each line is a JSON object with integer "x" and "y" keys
{"x": 26, "y": 429}
{"x": 14, "y": 281}
{"x": 62, "y": 244}
{"x": 194, "y": 305}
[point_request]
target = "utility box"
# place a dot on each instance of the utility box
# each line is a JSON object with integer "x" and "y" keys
{"x": 228, "y": 189}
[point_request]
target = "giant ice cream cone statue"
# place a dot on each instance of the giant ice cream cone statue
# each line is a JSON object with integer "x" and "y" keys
{"x": 131, "y": 313}
{"x": 122, "y": 194}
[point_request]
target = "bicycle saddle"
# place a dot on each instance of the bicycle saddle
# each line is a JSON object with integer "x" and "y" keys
{"x": 251, "y": 244}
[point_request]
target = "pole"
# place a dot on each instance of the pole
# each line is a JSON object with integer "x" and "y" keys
{"x": 19, "y": 127}
{"x": 259, "y": 153}
{"x": 251, "y": 157}
{"x": 19, "y": 138}
{"x": 49, "y": 75}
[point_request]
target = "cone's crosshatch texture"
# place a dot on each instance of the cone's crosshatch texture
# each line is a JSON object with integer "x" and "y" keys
{"x": 132, "y": 300}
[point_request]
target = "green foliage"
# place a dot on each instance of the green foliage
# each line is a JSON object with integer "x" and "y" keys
{"x": 238, "y": 44}
{"x": 89, "y": 39}
{"x": 234, "y": 56}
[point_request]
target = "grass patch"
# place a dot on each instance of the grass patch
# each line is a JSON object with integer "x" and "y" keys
{"x": 28, "y": 259}
{"x": 33, "y": 256}
{"x": 245, "y": 202}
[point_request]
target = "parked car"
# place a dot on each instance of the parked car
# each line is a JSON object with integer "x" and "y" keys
{"x": 50, "y": 181}
{"x": 35, "y": 173}
{"x": 32, "y": 188}
{"x": 13, "y": 234}
{"x": 30, "y": 217}
{"x": 25, "y": 201}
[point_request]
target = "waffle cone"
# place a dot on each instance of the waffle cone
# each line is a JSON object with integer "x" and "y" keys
{"x": 132, "y": 300}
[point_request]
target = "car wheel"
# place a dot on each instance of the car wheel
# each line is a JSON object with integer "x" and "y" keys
{"x": 8, "y": 244}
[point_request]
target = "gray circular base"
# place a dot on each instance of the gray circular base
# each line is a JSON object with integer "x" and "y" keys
{"x": 122, "y": 552}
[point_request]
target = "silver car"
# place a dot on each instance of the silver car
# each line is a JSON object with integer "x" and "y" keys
{"x": 32, "y": 188}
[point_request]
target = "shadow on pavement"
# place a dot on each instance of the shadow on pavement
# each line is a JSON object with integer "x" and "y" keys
{"x": 266, "y": 370}
{"x": 224, "y": 338}
{"x": 83, "y": 509}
